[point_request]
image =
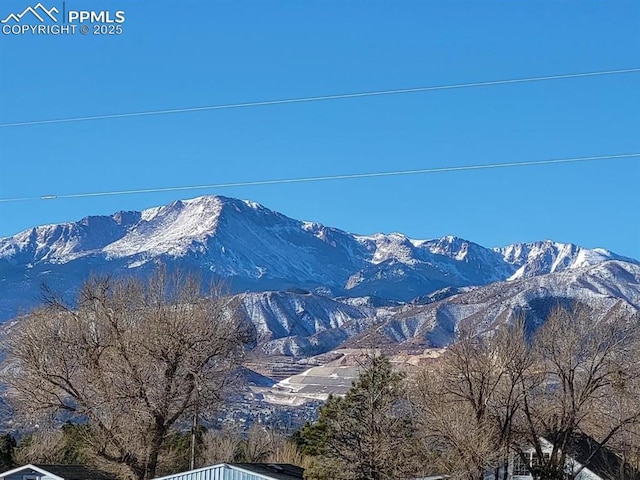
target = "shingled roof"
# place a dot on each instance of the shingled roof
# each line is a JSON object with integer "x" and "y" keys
{"x": 601, "y": 461}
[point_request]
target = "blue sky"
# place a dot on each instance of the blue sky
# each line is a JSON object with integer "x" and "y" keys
{"x": 193, "y": 53}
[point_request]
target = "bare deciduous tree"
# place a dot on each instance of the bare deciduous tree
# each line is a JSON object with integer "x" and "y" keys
{"x": 466, "y": 402}
{"x": 460, "y": 443}
{"x": 586, "y": 365}
{"x": 218, "y": 446}
{"x": 576, "y": 375}
{"x": 132, "y": 359}
{"x": 43, "y": 446}
{"x": 259, "y": 445}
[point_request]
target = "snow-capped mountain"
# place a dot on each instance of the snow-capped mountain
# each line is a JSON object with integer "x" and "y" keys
{"x": 547, "y": 257}
{"x": 257, "y": 249}
{"x": 605, "y": 288}
{"x": 303, "y": 324}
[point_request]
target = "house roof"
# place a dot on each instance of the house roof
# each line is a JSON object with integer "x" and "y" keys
{"x": 604, "y": 462}
{"x": 280, "y": 471}
{"x": 268, "y": 471}
{"x": 63, "y": 472}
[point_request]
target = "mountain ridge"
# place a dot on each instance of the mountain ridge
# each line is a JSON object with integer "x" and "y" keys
{"x": 258, "y": 249}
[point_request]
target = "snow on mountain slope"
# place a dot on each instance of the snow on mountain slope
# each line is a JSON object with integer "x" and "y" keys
{"x": 257, "y": 249}
{"x": 605, "y": 287}
{"x": 298, "y": 324}
{"x": 172, "y": 229}
{"x": 303, "y": 325}
{"x": 538, "y": 258}
{"x": 64, "y": 242}
{"x": 283, "y": 314}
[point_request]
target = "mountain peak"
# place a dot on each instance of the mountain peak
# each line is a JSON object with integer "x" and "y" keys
{"x": 257, "y": 249}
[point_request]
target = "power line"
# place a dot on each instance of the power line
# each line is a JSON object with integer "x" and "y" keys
{"x": 325, "y": 178}
{"x": 320, "y": 98}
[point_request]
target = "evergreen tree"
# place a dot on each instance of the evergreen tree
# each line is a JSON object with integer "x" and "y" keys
{"x": 367, "y": 435}
{"x": 7, "y": 449}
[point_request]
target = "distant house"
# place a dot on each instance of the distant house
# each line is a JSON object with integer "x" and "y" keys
{"x": 601, "y": 465}
{"x": 241, "y": 471}
{"x": 55, "y": 472}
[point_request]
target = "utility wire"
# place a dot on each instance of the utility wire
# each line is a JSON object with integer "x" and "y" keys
{"x": 320, "y": 98}
{"x": 326, "y": 178}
